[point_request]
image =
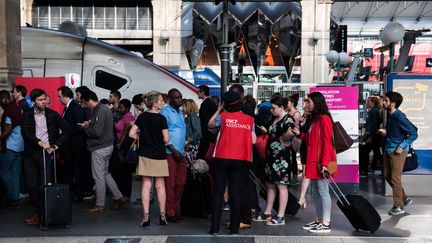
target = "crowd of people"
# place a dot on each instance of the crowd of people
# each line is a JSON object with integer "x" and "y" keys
{"x": 94, "y": 140}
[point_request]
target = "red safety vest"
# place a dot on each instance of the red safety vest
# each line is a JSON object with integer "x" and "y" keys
{"x": 235, "y": 137}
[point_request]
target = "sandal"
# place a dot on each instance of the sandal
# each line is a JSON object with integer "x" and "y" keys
{"x": 276, "y": 221}
{"x": 262, "y": 218}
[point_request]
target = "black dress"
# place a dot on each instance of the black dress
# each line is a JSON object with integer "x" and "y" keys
{"x": 278, "y": 167}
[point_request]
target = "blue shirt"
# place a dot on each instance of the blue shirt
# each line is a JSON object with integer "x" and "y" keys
{"x": 176, "y": 128}
{"x": 14, "y": 141}
{"x": 400, "y": 132}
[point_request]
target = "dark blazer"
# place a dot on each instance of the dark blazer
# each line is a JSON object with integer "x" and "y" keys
{"x": 54, "y": 124}
{"x": 207, "y": 109}
{"x": 75, "y": 114}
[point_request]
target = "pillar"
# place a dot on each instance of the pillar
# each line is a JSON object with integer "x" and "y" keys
{"x": 315, "y": 18}
{"x": 167, "y": 32}
{"x": 10, "y": 43}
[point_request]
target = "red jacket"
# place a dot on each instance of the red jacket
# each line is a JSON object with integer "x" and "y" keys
{"x": 235, "y": 137}
{"x": 319, "y": 140}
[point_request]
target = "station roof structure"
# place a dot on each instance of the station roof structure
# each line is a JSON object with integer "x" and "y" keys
{"x": 367, "y": 18}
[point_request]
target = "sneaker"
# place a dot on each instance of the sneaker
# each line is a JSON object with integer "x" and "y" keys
{"x": 310, "y": 225}
{"x": 407, "y": 202}
{"x": 226, "y": 207}
{"x": 321, "y": 228}
{"x": 396, "y": 210}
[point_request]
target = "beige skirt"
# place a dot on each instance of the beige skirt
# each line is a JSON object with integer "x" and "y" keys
{"x": 152, "y": 167}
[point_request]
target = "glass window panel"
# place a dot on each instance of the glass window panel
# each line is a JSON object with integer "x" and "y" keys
{"x": 131, "y": 18}
{"x": 77, "y": 15}
{"x": 65, "y": 14}
{"x": 121, "y": 18}
{"x": 99, "y": 18}
{"x": 109, "y": 81}
{"x": 109, "y": 18}
{"x": 55, "y": 17}
{"x": 144, "y": 19}
{"x": 88, "y": 17}
{"x": 42, "y": 18}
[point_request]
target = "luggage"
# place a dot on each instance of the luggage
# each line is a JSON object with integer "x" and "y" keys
{"x": 55, "y": 200}
{"x": 358, "y": 210}
{"x": 196, "y": 199}
{"x": 292, "y": 206}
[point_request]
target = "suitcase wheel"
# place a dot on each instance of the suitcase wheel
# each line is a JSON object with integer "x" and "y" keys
{"x": 44, "y": 227}
{"x": 68, "y": 226}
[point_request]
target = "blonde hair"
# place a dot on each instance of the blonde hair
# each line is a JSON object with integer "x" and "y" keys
{"x": 189, "y": 106}
{"x": 150, "y": 98}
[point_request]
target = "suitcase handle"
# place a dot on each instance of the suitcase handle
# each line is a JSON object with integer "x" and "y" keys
{"x": 44, "y": 167}
{"x": 338, "y": 189}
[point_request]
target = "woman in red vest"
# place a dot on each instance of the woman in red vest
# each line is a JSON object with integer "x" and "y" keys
{"x": 319, "y": 149}
{"x": 232, "y": 153}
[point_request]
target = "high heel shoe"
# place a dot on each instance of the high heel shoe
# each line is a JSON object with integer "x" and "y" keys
{"x": 302, "y": 204}
{"x": 145, "y": 221}
{"x": 162, "y": 219}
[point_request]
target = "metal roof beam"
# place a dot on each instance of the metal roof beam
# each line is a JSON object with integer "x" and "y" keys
{"x": 394, "y": 10}
{"x": 368, "y": 9}
{"x": 422, "y": 10}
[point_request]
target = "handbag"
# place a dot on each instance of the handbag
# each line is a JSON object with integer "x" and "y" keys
{"x": 341, "y": 140}
{"x": 411, "y": 161}
{"x": 332, "y": 165}
{"x": 132, "y": 156}
{"x": 261, "y": 146}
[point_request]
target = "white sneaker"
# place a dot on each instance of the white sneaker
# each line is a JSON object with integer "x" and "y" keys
{"x": 321, "y": 228}
{"x": 310, "y": 225}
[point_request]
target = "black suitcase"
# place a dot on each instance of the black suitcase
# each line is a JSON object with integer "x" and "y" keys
{"x": 55, "y": 200}
{"x": 358, "y": 210}
{"x": 292, "y": 207}
{"x": 196, "y": 199}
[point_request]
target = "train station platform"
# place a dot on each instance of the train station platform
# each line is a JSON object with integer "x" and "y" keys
{"x": 122, "y": 225}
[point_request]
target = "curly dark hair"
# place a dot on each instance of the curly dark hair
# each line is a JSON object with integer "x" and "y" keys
{"x": 320, "y": 106}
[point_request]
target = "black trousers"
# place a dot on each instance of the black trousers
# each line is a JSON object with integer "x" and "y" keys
{"x": 123, "y": 177}
{"x": 236, "y": 172}
{"x": 75, "y": 166}
{"x": 365, "y": 150}
{"x": 203, "y": 147}
{"x": 34, "y": 174}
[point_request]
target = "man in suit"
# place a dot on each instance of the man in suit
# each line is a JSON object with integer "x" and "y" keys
{"x": 207, "y": 109}
{"x": 42, "y": 130}
{"x": 74, "y": 149}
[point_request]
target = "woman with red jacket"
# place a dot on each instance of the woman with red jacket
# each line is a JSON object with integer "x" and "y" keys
{"x": 232, "y": 153}
{"x": 319, "y": 150}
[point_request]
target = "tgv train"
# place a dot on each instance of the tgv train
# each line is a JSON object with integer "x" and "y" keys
{"x": 102, "y": 67}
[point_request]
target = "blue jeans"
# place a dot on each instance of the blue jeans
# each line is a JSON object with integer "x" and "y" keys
{"x": 322, "y": 200}
{"x": 10, "y": 170}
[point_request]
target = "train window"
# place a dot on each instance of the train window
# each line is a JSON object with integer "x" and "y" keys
{"x": 109, "y": 81}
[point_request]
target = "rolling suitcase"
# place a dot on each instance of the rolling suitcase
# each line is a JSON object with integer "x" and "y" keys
{"x": 358, "y": 210}
{"x": 292, "y": 206}
{"x": 55, "y": 200}
{"x": 196, "y": 199}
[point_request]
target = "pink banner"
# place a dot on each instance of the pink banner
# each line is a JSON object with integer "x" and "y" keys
{"x": 339, "y": 98}
{"x": 348, "y": 174}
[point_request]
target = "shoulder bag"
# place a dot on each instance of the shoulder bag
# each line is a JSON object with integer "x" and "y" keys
{"x": 341, "y": 140}
{"x": 332, "y": 165}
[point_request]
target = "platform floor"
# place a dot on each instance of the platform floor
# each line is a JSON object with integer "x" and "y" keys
{"x": 416, "y": 224}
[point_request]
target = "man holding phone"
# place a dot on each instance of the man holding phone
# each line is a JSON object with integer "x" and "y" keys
{"x": 399, "y": 134}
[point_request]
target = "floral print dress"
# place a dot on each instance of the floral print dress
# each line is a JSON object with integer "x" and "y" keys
{"x": 277, "y": 168}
